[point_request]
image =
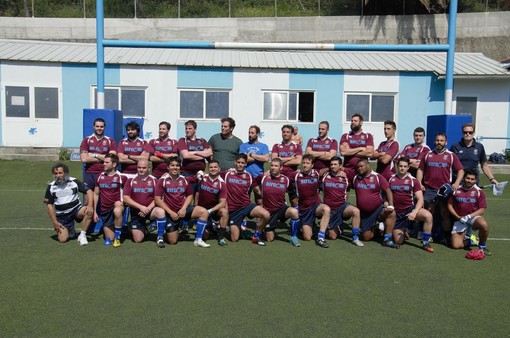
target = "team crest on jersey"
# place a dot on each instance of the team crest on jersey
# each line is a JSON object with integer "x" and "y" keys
{"x": 292, "y": 147}
{"x": 362, "y": 137}
{"x": 243, "y": 176}
{"x": 180, "y": 183}
{"x": 327, "y": 141}
{"x": 149, "y": 183}
{"x": 104, "y": 142}
{"x": 200, "y": 142}
{"x": 115, "y": 179}
{"x": 406, "y": 181}
{"x": 371, "y": 178}
{"x": 475, "y": 151}
{"x": 445, "y": 157}
{"x": 215, "y": 184}
{"x": 135, "y": 182}
{"x": 137, "y": 144}
{"x": 472, "y": 193}
{"x": 281, "y": 179}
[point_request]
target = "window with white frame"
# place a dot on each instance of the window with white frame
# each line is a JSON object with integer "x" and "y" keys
{"x": 45, "y": 102}
{"x": 374, "y": 107}
{"x": 203, "y": 104}
{"x": 467, "y": 106}
{"x": 130, "y": 100}
{"x": 295, "y": 106}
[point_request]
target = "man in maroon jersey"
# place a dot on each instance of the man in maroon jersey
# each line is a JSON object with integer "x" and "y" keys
{"x": 408, "y": 203}
{"x": 108, "y": 189}
{"x": 335, "y": 185}
{"x": 138, "y": 194}
{"x": 437, "y": 168}
{"x": 274, "y": 186}
{"x": 289, "y": 152}
{"x": 162, "y": 148}
{"x": 369, "y": 187}
{"x": 323, "y": 148}
{"x": 174, "y": 195}
{"x": 93, "y": 149}
{"x": 239, "y": 184}
{"x": 310, "y": 205}
{"x": 386, "y": 151}
{"x": 467, "y": 206}
{"x": 415, "y": 151}
{"x": 132, "y": 149}
{"x": 193, "y": 150}
{"x": 355, "y": 144}
{"x": 212, "y": 195}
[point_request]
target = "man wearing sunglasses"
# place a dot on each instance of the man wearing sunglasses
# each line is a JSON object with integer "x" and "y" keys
{"x": 472, "y": 153}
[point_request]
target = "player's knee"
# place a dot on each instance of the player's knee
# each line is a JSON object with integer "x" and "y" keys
{"x": 332, "y": 235}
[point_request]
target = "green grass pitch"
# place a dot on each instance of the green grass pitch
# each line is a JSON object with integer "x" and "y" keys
{"x": 52, "y": 289}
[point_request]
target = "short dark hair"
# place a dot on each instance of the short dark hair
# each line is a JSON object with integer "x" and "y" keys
{"x": 336, "y": 158}
{"x": 403, "y": 159}
{"x": 441, "y": 134}
{"x": 363, "y": 159}
{"x": 419, "y": 130}
{"x": 213, "y": 160}
{"x": 257, "y": 129}
{"x": 469, "y": 124}
{"x": 60, "y": 165}
{"x": 357, "y": 115}
{"x": 173, "y": 159}
{"x": 277, "y": 160}
{"x": 133, "y": 125}
{"x": 324, "y": 122}
{"x": 391, "y": 123}
{"x": 192, "y": 123}
{"x": 243, "y": 156}
{"x": 288, "y": 126}
{"x": 308, "y": 157}
{"x": 99, "y": 120}
{"x": 113, "y": 157}
{"x": 167, "y": 124}
{"x": 230, "y": 121}
{"x": 470, "y": 172}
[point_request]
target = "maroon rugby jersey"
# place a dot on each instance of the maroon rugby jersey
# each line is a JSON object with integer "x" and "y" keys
{"x": 466, "y": 201}
{"x": 318, "y": 144}
{"x": 335, "y": 190}
{"x": 403, "y": 190}
{"x": 438, "y": 168}
{"x": 307, "y": 189}
{"x": 110, "y": 189}
{"x": 390, "y": 147}
{"x": 287, "y": 150}
{"x": 173, "y": 191}
{"x": 128, "y": 147}
{"x": 273, "y": 190}
{"x": 141, "y": 190}
{"x": 413, "y": 153}
{"x": 239, "y": 186}
{"x": 210, "y": 191}
{"x": 168, "y": 146}
{"x": 355, "y": 141}
{"x": 198, "y": 144}
{"x": 103, "y": 146}
{"x": 369, "y": 192}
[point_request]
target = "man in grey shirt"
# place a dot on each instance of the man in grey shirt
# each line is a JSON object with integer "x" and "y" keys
{"x": 225, "y": 145}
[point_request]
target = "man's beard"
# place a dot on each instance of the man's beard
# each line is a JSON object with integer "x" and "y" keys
{"x": 355, "y": 128}
{"x": 61, "y": 180}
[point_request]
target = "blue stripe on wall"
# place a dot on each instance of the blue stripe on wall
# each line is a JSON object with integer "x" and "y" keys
{"x": 76, "y": 83}
{"x": 329, "y": 88}
{"x": 205, "y": 77}
{"x": 420, "y": 95}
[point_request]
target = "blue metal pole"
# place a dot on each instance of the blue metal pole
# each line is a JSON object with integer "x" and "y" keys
{"x": 100, "y": 52}
{"x": 450, "y": 57}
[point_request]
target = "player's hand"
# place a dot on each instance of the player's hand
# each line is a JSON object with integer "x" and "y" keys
{"x": 455, "y": 186}
{"x": 89, "y": 211}
{"x": 342, "y": 174}
{"x": 181, "y": 213}
{"x": 411, "y": 216}
{"x": 96, "y": 217}
{"x": 174, "y": 215}
{"x": 58, "y": 227}
{"x": 465, "y": 219}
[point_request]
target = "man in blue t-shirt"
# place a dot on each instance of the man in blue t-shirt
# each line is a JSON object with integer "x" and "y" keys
{"x": 257, "y": 152}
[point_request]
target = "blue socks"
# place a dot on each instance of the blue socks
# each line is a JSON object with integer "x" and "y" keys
{"x": 294, "y": 226}
{"x": 257, "y": 234}
{"x": 387, "y": 237}
{"x": 355, "y": 234}
{"x": 321, "y": 235}
{"x": 426, "y": 237}
{"x": 200, "y": 228}
{"x": 161, "y": 223}
{"x": 118, "y": 231}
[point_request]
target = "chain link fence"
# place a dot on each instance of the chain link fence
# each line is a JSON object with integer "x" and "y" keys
{"x": 231, "y": 8}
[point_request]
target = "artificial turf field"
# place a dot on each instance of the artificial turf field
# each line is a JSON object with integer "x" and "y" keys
{"x": 53, "y": 289}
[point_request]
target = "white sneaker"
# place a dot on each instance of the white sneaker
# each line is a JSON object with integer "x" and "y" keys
{"x": 82, "y": 240}
{"x": 357, "y": 242}
{"x": 200, "y": 243}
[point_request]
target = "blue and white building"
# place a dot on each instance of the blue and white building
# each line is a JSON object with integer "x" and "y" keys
{"x": 46, "y": 85}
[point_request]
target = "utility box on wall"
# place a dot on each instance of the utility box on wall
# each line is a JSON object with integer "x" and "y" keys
{"x": 449, "y": 124}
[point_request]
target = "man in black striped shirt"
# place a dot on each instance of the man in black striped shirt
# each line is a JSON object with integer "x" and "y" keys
{"x": 64, "y": 206}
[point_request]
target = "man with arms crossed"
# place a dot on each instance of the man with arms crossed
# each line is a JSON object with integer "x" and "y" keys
{"x": 406, "y": 190}
{"x": 257, "y": 152}
{"x": 310, "y": 206}
{"x": 132, "y": 149}
{"x": 239, "y": 184}
{"x": 354, "y": 145}
{"x": 289, "y": 152}
{"x": 369, "y": 187}
{"x": 138, "y": 194}
{"x": 415, "y": 151}
{"x": 274, "y": 186}
{"x": 322, "y": 148}
{"x": 386, "y": 151}
{"x": 162, "y": 148}
{"x": 193, "y": 150}
{"x": 467, "y": 206}
{"x": 334, "y": 185}
{"x": 64, "y": 206}
{"x": 225, "y": 145}
{"x": 212, "y": 195}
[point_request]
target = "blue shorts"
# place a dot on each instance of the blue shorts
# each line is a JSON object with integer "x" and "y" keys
{"x": 368, "y": 221}
{"x": 308, "y": 216}
{"x": 108, "y": 218}
{"x": 402, "y": 220}
{"x": 236, "y": 217}
{"x": 89, "y": 180}
{"x": 336, "y": 218}
{"x": 430, "y": 195}
{"x": 277, "y": 216}
{"x": 68, "y": 220}
{"x": 139, "y": 223}
{"x": 172, "y": 225}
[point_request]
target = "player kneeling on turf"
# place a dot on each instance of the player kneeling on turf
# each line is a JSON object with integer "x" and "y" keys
{"x": 467, "y": 206}
{"x": 406, "y": 190}
{"x": 64, "y": 206}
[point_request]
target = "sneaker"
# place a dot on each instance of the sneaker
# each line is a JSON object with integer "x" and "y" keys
{"x": 357, "y": 242}
{"x": 160, "y": 243}
{"x": 322, "y": 243}
{"x": 390, "y": 244}
{"x": 486, "y": 251}
{"x": 153, "y": 227}
{"x": 200, "y": 243}
{"x": 428, "y": 248}
{"x": 116, "y": 243}
{"x": 107, "y": 242}
{"x": 82, "y": 240}
{"x": 473, "y": 241}
{"x": 258, "y": 241}
{"x": 222, "y": 242}
{"x": 246, "y": 234}
{"x": 294, "y": 241}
